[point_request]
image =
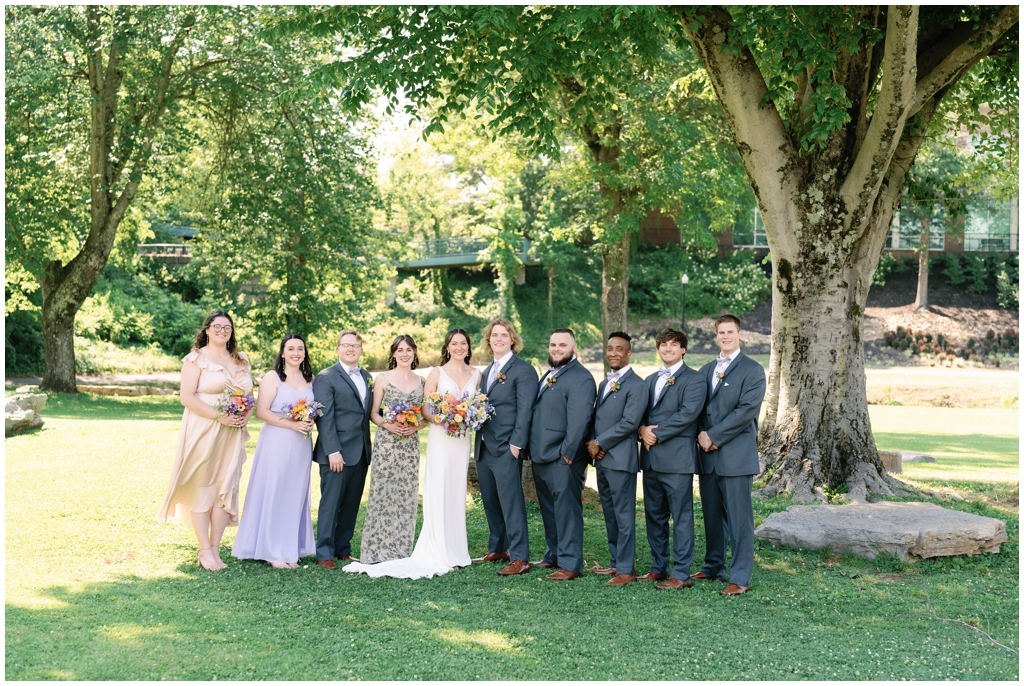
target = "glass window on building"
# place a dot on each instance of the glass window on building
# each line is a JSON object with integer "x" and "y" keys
{"x": 905, "y": 232}
{"x": 991, "y": 226}
{"x": 748, "y": 231}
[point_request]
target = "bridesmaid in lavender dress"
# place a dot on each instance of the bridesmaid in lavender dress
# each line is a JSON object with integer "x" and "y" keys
{"x": 276, "y": 525}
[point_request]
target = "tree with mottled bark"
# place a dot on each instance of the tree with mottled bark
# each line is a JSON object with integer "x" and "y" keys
{"x": 829, "y": 107}
{"x": 90, "y": 92}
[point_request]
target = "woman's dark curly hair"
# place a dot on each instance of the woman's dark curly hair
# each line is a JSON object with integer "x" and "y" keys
{"x": 403, "y": 338}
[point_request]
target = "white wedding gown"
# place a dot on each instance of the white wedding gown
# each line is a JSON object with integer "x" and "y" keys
{"x": 442, "y": 543}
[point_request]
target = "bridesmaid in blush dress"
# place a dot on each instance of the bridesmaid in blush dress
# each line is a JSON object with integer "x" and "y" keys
{"x": 211, "y": 447}
{"x": 276, "y": 524}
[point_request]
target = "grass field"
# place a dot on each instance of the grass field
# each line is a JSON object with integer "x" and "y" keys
{"x": 96, "y": 589}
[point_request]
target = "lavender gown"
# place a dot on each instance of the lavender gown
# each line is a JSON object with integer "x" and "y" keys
{"x": 276, "y": 525}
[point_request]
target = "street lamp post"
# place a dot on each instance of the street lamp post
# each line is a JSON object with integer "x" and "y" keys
{"x": 685, "y": 280}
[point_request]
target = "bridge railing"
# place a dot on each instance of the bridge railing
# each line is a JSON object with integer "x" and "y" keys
{"x": 164, "y": 250}
{"x": 452, "y": 251}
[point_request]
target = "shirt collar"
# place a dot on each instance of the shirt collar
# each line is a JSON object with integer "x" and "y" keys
{"x": 504, "y": 360}
{"x": 348, "y": 370}
{"x": 675, "y": 368}
{"x": 622, "y": 372}
{"x": 731, "y": 358}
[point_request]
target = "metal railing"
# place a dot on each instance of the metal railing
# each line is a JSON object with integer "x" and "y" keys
{"x": 165, "y": 250}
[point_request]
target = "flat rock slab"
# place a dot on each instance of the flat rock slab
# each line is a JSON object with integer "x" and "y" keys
{"x": 21, "y": 413}
{"x": 911, "y": 456}
{"x": 126, "y": 390}
{"x": 907, "y": 530}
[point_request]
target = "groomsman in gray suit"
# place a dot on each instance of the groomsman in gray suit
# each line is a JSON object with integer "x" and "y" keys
{"x": 511, "y": 386}
{"x": 561, "y": 420}
{"x": 621, "y": 401}
{"x": 342, "y": 448}
{"x": 735, "y": 386}
{"x": 668, "y": 456}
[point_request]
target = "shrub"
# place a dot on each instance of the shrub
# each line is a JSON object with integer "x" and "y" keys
{"x": 977, "y": 271}
{"x": 953, "y": 271}
{"x": 885, "y": 265}
{"x": 23, "y": 343}
{"x": 1008, "y": 283}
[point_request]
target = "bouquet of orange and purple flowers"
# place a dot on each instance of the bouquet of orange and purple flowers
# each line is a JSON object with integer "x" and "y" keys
{"x": 235, "y": 403}
{"x": 459, "y": 414}
{"x": 403, "y": 413}
{"x": 304, "y": 411}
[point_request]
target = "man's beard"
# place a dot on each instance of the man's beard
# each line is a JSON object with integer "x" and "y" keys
{"x": 561, "y": 363}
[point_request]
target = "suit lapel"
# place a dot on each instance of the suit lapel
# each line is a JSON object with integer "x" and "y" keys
{"x": 557, "y": 373}
{"x": 368, "y": 380}
{"x": 487, "y": 378}
{"x": 600, "y": 392}
{"x": 344, "y": 375}
{"x": 728, "y": 370}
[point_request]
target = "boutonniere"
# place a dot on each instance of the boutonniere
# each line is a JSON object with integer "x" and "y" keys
{"x": 616, "y": 386}
{"x": 550, "y": 380}
{"x": 670, "y": 381}
{"x": 720, "y": 375}
{"x": 369, "y": 382}
{"x": 500, "y": 378}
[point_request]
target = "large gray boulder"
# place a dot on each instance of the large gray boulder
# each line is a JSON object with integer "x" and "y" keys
{"x": 21, "y": 412}
{"x": 903, "y": 529}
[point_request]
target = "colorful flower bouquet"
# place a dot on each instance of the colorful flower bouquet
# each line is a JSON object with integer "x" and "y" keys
{"x": 234, "y": 403}
{"x": 304, "y": 411}
{"x": 403, "y": 413}
{"x": 459, "y": 414}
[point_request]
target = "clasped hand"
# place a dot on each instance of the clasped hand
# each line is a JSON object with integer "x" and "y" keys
{"x": 233, "y": 421}
{"x": 647, "y": 435}
{"x": 401, "y": 429}
{"x": 706, "y": 442}
{"x": 594, "y": 448}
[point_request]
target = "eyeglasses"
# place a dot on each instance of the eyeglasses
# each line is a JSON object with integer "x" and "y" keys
{"x": 350, "y": 346}
{"x": 218, "y": 328}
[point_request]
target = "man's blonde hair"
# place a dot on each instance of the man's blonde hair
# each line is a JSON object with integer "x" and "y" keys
{"x": 517, "y": 342}
{"x": 349, "y": 332}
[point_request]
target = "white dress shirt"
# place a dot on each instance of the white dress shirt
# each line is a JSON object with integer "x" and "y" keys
{"x": 721, "y": 364}
{"x": 497, "y": 367}
{"x": 618, "y": 377}
{"x": 659, "y": 385}
{"x": 357, "y": 379}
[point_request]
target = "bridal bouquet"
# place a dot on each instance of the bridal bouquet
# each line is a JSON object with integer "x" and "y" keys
{"x": 459, "y": 415}
{"x": 304, "y": 411}
{"x": 234, "y": 403}
{"x": 403, "y": 414}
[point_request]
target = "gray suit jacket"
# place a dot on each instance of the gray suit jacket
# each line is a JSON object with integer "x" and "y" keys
{"x": 676, "y": 414}
{"x": 730, "y": 418}
{"x": 561, "y": 416}
{"x": 345, "y": 424}
{"x": 616, "y": 420}
{"x": 511, "y": 400}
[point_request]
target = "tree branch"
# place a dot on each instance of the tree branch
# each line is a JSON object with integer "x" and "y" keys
{"x": 899, "y": 69}
{"x": 959, "y": 52}
{"x": 760, "y": 135}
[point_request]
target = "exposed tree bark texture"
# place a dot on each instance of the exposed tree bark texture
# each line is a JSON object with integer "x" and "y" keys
{"x": 921, "y": 301}
{"x": 551, "y": 291}
{"x": 826, "y": 215}
{"x": 65, "y": 287}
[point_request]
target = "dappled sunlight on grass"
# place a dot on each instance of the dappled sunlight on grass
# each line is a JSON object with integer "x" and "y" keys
{"x": 129, "y": 634}
{"x": 489, "y": 640}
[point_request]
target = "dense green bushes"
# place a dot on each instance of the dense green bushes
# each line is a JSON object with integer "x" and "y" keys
{"x": 735, "y": 282}
{"x": 23, "y": 343}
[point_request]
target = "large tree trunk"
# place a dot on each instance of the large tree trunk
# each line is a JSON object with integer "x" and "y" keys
{"x": 826, "y": 215}
{"x": 614, "y": 286}
{"x": 58, "y": 334}
{"x": 921, "y": 302}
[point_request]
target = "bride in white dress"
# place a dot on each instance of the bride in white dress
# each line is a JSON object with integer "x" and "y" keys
{"x": 442, "y": 544}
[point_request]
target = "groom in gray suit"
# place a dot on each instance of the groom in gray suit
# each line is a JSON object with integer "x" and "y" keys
{"x": 511, "y": 385}
{"x": 342, "y": 448}
{"x": 621, "y": 401}
{"x": 728, "y": 457}
{"x": 561, "y": 420}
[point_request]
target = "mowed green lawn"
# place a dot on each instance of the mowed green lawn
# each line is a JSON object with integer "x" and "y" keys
{"x": 96, "y": 589}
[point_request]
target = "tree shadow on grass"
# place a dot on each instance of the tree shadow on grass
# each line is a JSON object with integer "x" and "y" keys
{"x": 89, "y": 406}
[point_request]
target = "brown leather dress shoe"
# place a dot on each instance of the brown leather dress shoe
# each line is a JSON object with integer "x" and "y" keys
{"x": 621, "y": 580}
{"x": 543, "y": 565}
{"x": 674, "y": 583}
{"x": 735, "y": 589}
{"x": 327, "y": 564}
{"x": 347, "y": 558}
{"x": 493, "y": 557}
{"x": 701, "y": 576}
{"x": 562, "y": 575}
{"x": 652, "y": 576}
{"x": 604, "y": 571}
{"x": 515, "y": 567}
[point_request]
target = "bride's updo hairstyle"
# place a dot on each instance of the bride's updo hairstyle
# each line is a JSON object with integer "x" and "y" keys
{"x": 445, "y": 355}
